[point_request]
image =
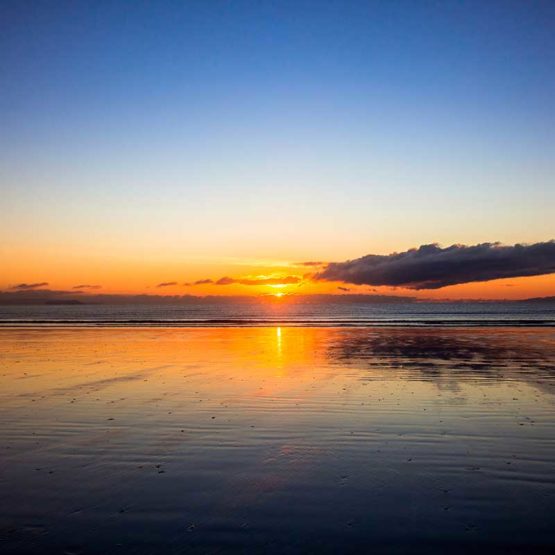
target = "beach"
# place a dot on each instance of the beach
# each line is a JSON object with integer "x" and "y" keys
{"x": 277, "y": 278}
{"x": 277, "y": 439}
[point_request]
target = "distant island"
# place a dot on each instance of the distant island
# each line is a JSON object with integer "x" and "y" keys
{"x": 67, "y": 298}
{"x": 539, "y": 300}
{"x": 69, "y": 302}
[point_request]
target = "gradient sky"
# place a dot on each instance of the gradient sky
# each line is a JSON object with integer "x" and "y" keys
{"x": 153, "y": 142}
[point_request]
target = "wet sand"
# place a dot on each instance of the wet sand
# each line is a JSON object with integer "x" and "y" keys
{"x": 277, "y": 440}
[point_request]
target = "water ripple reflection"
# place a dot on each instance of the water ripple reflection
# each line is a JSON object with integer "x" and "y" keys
{"x": 273, "y": 440}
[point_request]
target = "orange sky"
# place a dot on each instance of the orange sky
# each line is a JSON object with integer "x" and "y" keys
{"x": 135, "y": 275}
{"x": 131, "y": 157}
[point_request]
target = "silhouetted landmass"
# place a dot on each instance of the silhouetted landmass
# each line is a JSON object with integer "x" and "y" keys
{"x": 354, "y": 299}
{"x": 51, "y": 297}
{"x": 539, "y": 300}
{"x": 60, "y": 297}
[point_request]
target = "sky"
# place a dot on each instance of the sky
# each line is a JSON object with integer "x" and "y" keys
{"x": 152, "y": 143}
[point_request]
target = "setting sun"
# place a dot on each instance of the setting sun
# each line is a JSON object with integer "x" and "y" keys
{"x": 277, "y": 276}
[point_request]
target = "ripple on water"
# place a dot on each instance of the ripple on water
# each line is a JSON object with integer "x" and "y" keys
{"x": 172, "y": 440}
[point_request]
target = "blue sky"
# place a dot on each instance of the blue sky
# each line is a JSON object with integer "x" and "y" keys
{"x": 274, "y": 129}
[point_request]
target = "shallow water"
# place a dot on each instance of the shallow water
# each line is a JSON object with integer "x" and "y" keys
{"x": 277, "y": 440}
{"x": 288, "y": 312}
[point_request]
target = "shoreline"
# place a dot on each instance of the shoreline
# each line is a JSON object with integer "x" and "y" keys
{"x": 181, "y": 439}
{"x": 48, "y": 324}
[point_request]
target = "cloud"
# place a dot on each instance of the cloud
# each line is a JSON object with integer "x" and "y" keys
{"x": 86, "y": 286}
{"x": 343, "y": 288}
{"x": 432, "y": 267}
{"x": 286, "y": 280}
{"x": 29, "y": 286}
{"x": 167, "y": 284}
{"x": 311, "y": 263}
{"x": 199, "y": 282}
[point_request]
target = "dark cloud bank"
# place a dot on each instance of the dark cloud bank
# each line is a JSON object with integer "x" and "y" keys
{"x": 431, "y": 267}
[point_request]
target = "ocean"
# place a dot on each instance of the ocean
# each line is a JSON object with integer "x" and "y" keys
{"x": 284, "y": 313}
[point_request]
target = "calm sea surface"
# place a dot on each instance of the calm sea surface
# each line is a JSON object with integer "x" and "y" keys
{"x": 286, "y": 312}
{"x": 277, "y": 439}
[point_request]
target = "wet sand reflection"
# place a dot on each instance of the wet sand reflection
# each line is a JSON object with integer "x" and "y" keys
{"x": 277, "y": 439}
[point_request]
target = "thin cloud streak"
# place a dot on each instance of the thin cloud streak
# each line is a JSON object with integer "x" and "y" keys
{"x": 287, "y": 280}
{"x": 311, "y": 263}
{"x": 199, "y": 282}
{"x": 433, "y": 267}
{"x": 226, "y": 280}
{"x": 29, "y": 286}
{"x": 87, "y": 286}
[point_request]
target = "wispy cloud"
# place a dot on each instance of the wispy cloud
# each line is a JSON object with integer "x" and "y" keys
{"x": 286, "y": 280}
{"x": 261, "y": 280}
{"x": 86, "y": 286}
{"x": 167, "y": 284}
{"x": 433, "y": 267}
{"x": 311, "y": 263}
{"x": 29, "y": 286}
{"x": 199, "y": 282}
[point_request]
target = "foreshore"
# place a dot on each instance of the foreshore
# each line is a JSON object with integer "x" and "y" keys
{"x": 277, "y": 439}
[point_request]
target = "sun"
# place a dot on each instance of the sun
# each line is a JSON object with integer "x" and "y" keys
{"x": 278, "y": 295}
